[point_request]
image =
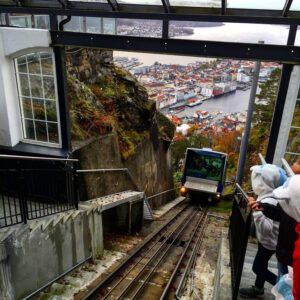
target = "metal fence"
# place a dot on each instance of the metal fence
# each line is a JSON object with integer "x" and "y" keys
{"x": 239, "y": 230}
{"x": 35, "y": 187}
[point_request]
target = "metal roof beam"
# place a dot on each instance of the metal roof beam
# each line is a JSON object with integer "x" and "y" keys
{"x": 224, "y": 7}
{"x": 233, "y": 15}
{"x": 166, "y": 5}
{"x": 287, "y": 7}
{"x": 113, "y": 4}
{"x": 247, "y": 51}
{"x": 63, "y": 3}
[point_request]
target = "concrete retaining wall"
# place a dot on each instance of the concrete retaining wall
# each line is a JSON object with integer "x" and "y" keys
{"x": 150, "y": 169}
{"x": 34, "y": 254}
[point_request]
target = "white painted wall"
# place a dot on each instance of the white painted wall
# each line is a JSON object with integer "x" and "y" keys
{"x": 13, "y": 43}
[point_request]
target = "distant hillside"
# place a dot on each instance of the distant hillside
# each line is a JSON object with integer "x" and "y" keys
{"x": 130, "y": 22}
{"x": 196, "y": 24}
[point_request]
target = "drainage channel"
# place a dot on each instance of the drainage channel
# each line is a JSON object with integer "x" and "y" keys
{"x": 152, "y": 271}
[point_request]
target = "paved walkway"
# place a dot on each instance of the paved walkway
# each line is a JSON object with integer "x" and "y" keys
{"x": 165, "y": 208}
{"x": 248, "y": 277}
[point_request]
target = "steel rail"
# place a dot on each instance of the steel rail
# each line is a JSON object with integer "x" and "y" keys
{"x": 141, "y": 258}
{"x": 198, "y": 243}
{"x": 57, "y": 278}
{"x": 157, "y": 264}
{"x": 125, "y": 290}
{"x": 115, "y": 271}
{"x": 198, "y": 226}
{"x": 4, "y": 156}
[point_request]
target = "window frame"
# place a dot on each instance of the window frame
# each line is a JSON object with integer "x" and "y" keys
{"x": 18, "y": 86}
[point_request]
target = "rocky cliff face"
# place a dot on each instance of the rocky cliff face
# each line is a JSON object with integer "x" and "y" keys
{"x": 109, "y": 110}
{"x": 106, "y": 99}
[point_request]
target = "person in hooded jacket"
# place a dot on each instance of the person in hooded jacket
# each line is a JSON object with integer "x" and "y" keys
{"x": 264, "y": 180}
{"x": 288, "y": 197}
{"x": 287, "y": 235}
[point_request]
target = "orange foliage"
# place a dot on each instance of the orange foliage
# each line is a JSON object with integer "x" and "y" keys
{"x": 98, "y": 92}
{"x": 227, "y": 142}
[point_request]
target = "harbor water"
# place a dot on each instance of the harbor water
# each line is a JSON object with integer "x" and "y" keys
{"x": 228, "y": 103}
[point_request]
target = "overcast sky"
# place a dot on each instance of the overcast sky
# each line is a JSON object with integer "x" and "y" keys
{"x": 259, "y": 4}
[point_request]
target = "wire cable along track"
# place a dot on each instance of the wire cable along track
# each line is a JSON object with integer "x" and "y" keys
{"x": 152, "y": 271}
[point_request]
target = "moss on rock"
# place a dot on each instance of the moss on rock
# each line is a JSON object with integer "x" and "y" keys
{"x": 113, "y": 100}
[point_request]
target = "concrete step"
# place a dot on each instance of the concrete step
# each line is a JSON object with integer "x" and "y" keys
{"x": 248, "y": 277}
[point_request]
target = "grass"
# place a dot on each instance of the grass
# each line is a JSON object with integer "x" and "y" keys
{"x": 223, "y": 206}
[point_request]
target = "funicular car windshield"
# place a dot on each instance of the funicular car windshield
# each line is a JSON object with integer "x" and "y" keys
{"x": 204, "y": 165}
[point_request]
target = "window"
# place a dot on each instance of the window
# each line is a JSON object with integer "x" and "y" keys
{"x": 2, "y": 19}
{"x": 204, "y": 166}
{"x": 20, "y": 21}
{"x": 41, "y": 22}
{"x": 37, "y": 96}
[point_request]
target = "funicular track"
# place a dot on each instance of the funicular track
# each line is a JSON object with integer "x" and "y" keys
{"x": 160, "y": 268}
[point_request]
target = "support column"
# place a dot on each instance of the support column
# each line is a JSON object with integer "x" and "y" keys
{"x": 278, "y": 111}
{"x": 280, "y": 101}
{"x": 246, "y": 134}
{"x": 63, "y": 102}
{"x": 62, "y": 90}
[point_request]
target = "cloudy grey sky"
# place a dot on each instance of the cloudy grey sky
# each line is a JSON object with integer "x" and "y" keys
{"x": 259, "y": 4}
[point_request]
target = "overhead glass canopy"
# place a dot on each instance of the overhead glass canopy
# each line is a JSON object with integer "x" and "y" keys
{"x": 98, "y": 1}
{"x": 260, "y": 9}
{"x": 295, "y": 5}
{"x": 196, "y": 3}
{"x": 256, "y": 4}
{"x": 141, "y": 2}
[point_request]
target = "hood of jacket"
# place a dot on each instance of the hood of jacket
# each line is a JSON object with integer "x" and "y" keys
{"x": 288, "y": 197}
{"x": 265, "y": 178}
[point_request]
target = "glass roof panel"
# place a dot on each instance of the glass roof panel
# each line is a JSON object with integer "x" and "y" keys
{"x": 297, "y": 40}
{"x": 141, "y": 2}
{"x": 295, "y": 5}
{"x": 256, "y": 4}
{"x": 196, "y": 3}
{"x": 230, "y": 32}
{"x": 99, "y": 1}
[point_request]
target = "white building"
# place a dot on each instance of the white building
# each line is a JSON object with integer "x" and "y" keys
{"x": 241, "y": 77}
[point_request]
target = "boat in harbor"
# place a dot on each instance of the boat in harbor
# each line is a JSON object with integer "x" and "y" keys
{"x": 194, "y": 103}
{"x": 176, "y": 108}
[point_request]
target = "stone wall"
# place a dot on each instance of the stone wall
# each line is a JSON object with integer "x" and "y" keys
{"x": 149, "y": 169}
{"x": 86, "y": 64}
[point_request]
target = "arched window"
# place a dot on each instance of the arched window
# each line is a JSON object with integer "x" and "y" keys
{"x": 37, "y": 97}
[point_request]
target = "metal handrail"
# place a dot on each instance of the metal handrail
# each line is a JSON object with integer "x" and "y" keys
{"x": 111, "y": 170}
{"x": 161, "y": 193}
{"x": 100, "y": 170}
{"x": 4, "y": 156}
{"x": 242, "y": 192}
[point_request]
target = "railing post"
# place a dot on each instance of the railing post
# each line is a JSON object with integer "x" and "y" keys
{"x": 239, "y": 229}
{"x": 75, "y": 184}
{"x": 22, "y": 192}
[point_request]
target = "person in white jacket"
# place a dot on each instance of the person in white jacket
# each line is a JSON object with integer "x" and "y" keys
{"x": 264, "y": 180}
